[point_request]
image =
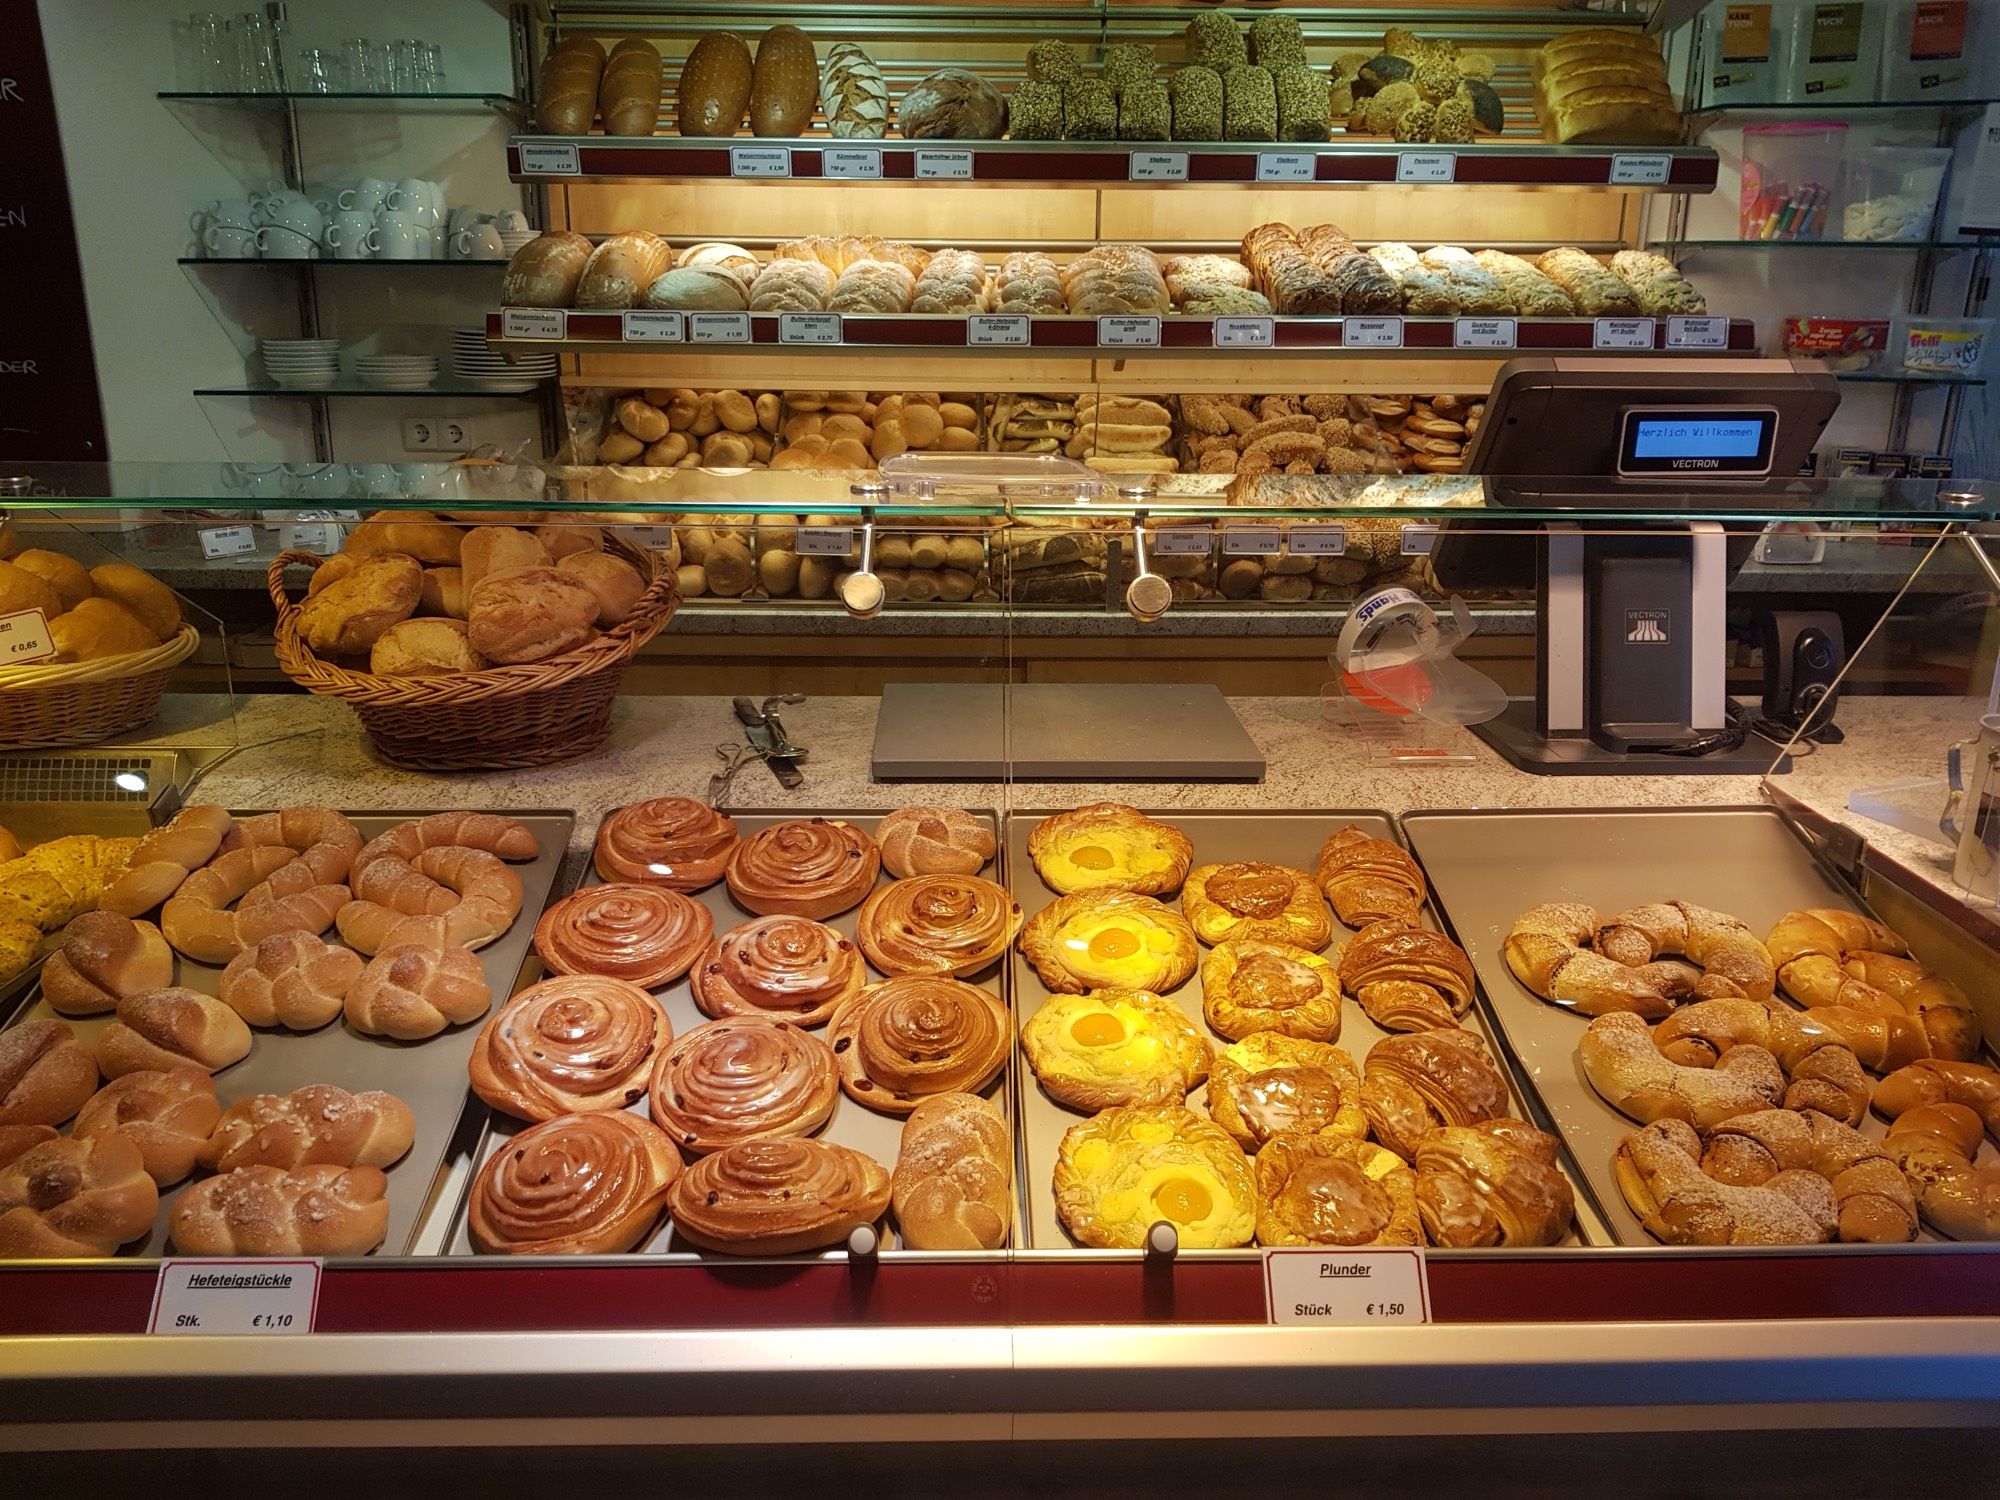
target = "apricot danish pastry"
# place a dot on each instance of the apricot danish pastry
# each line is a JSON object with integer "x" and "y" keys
{"x": 1115, "y": 1046}
{"x": 1117, "y": 939}
{"x": 1250, "y": 900}
{"x": 1108, "y": 846}
{"x": 1129, "y": 1168}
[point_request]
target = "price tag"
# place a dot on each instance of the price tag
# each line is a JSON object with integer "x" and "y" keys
{"x": 1245, "y": 333}
{"x": 1418, "y": 540}
{"x": 236, "y": 1296}
{"x": 24, "y": 637}
{"x": 1285, "y": 166}
{"x": 760, "y": 161}
{"x": 953, "y": 166}
{"x": 1426, "y": 166}
{"x": 823, "y": 541}
{"x": 550, "y": 161}
{"x": 652, "y": 538}
{"x": 1697, "y": 333}
{"x": 534, "y": 323}
{"x": 1128, "y": 333}
{"x": 1157, "y": 166}
{"x": 1622, "y": 333}
{"x": 862, "y": 162}
{"x": 227, "y": 541}
{"x": 654, "y": 327}
{"x": 808, "y": 328}
{"x": 1181, "y": 541}
{"x": 1252, "y": 541}
{"x": 321, "y": 537}
{"x": 1485, "y": 333}
{"x": 1640, "y": 171}
{"x": 718, "y": 328}
{"x": 1371, "y": 333}
{"x": 1316, "y": 539}
{"x": 1346, "y": 1288}
{"x": 984, "y": 329}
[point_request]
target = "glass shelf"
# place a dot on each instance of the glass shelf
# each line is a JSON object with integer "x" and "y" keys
{"x": 1890, "y": 377}
{"x": 1905, "y": 245}
{"x": 447, "y": 102}
{"x": 421, "y": 393}
{"x": 1835, "y": 108}
{"x": 327, "y": 260}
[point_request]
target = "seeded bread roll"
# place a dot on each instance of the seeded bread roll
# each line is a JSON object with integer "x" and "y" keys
{"x": 1249, "y": 105}
{"x": 1035, "y": 111}
{"x": 714, "y": 88}
{"x": 784, "y": 83}
{"x": 1197, "y": 104}
{"x": 1090, "y": 112}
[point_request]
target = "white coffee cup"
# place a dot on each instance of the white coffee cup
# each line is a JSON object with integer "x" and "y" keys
{"x": 275, "y": 242}
{"x": 464, "y": 217}
{"x": 327, "y": 199}
{"x": 227, "y": 242}
{"x": 259, "y": 481}
{"x": 511, "y": 221}
{"x": 477, "y": 242}
{"x": 378, "y": 481}
{"x": 414, "y": 197}
{"x": 233, "y": 213}
{"x": 369, "y": 195}
{"x": 318, "y": 481}
{"x": 399, "y": 237}
{"x": 295, "y": 214}
{"x": 351, "y": 236}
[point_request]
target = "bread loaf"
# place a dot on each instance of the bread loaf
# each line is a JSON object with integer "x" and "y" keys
{"x": 714, "y": 87}
{"x": 544, "y": 272}
{"x": 784, "y": 83}
{"x": 351, "y": 616}
{"x": 424, "y": 648}
{"x": 614, "y": 581}
{"x": 852, "y": 95}
{"x": 952, "y": 104}
{"x": 495, "y": 549}
{"x": 444, "y": 592}
{"x": 629, "y": 95}
{"x": 697, "y": 289}
{"x": 145, "y": 596}
{"x": 414, "y": 533}
{"x": 568, "y": 93}
{"x": 20, "y": 589}
{"x": 529, "y": 614}
{"x": 62, "y": 573}
{"x": 619, "y": 270}
{"x": 98, "y": 628}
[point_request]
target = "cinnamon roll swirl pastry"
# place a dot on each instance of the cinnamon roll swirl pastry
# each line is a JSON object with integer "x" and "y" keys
{"x": 916, "y": 1035}
{"x": 810, "y": 867}
{"x": 746, "y": 1079}
{"x": 574, "y": 1185}
{"x": 788, "y": 968}
{"x": 937, "y": 924}
{"x": 776, "y": 1197}
{"x": 674, "y": 842}
{"x": 574, "y": 1045}
{"x": 645, "y": 933}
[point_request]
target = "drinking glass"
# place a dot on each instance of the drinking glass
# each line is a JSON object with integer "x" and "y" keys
{"x": 357, "y": 57}
{"x": 256, "y": 69}
{"x": 215, "y": 65}
{"x": 408, "y": 58}
{"x": 318, "y": 71}
{"x": 430, "y": 76}
{"x": 187, "y": 56}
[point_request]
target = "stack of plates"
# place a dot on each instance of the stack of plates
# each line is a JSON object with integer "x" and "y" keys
{"x": 477, "y": 365}
{"x": 513, "y": 239}
{"x": 396, "y": 372}
{"x": 302, "y": 364}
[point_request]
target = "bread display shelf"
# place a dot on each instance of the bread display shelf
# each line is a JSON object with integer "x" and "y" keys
{"x": 1360, "y": 163}
{"x": 1173, "y": 336}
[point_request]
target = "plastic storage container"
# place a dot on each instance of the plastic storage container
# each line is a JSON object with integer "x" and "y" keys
{"x": 1941, "y": 49}
{"x": 1846, "y": 344}
{"x": 1791, "y": 173}
{"x": 1926, "y": 344}
{"x": 1893, "y": 192}
{"x": 1834, "y": 51}
{"x": 1741, "y": 47}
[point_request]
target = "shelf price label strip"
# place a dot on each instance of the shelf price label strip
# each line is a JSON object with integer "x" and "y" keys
{"x": 1347, "y": 1288}
{"x": 249, "y": 1295}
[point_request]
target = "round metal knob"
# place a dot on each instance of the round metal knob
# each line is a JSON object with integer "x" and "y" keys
{"x": 1148, "y": 597}
{"x": 1163, "y": 1241}
{"x": 863, "y": 595}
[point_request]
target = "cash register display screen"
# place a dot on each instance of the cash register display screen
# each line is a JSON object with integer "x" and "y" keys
{"x": 1697, "y": 442}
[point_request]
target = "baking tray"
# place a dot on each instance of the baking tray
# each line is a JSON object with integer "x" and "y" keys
{"x": 852, "y": 1125}
{"x": 1486, "y": 868}
{"x": 1286, "y": 838}
{"x": 429, "y": 1076}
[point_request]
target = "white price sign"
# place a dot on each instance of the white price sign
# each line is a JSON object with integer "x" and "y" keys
{"x": 236, "y": 1296}
{"x": 1128, "y": 333}
{"x": 1157, "y": 166}
{"x": 654, "y": 327}
{"x": 652, "y": 538}
{"x": 1252, "y": 541}
{"x": 227, "y": 541}
{"x": 1346, "y": 1288}
{"x": 1426, "y": 166}
{"x": 984, "y": 329}
{"x": 321, "y": 537}
{"x": 534, "y": 323}
{"x": 1245, "y": 333}
{"x": 950, "y": 166}
{"x": 1621, "y": 333}
{"x": 1485, "y": 333}
{"x": 808, "y": 328}
{"x": 1418, "y": 540}
{"x": 1371, "y": 333}
{"x": 550, "y": 161}
{"x": 1640, "y": 171}
{"x": 718, "y": 328}
{"x": 1316, "y": 539}
{"x": 1697, "y": 333}
{"x": 760, "y": 161}
{"x": 24, "y": 637}
{"x": 1181, "y": 541}
{"x": 824, "y": 541}
{"x": 860, "y": 162}
{"x": 1285, "y": 166}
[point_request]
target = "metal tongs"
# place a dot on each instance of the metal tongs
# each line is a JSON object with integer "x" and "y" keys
{"x": 766, "y": 739}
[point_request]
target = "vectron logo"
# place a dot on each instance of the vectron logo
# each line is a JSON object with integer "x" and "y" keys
{"x": 1646, "y": 627}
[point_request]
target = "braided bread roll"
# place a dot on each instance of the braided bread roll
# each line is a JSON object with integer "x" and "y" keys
{"x": 105, "y": 957}
{"x": 934, "y": 840}
{"x": 745, "y": 1079}
{"x": 1370, "y": 879}
{"x": 318, "y": 1125}
{"x": 171, "y": 1028}
{"x": 510, "y": 840}
{"x": 919, "y": 1034}
{"x": 776, "y": 1197}
{"x": 1492, "y": 1183}
{"x": 953, "y": 1184}
{"x": 647, "y": 934}
{"x": 165, "y": 857}
{"x": 197, "y": 918}
{"x": 82, "y": 1196}
{"x": 576, "y": 1044}
{"x": 450, "y": 896}
{"x": 291, "y": 979}
{"x": 674, "y": 842}
{"x": 575, "y": 1185}
{"x": 1659, "y": 1172}
{"x": 323, "y": 840}
{"x": 1407, "y": 979}
{"x": 167, "y": 1114}
{"x": 322, "y": 1210}
{"x": 790, "y": 968}
{"x": 45, "y": 1073}
{"x": 937, "y": 924}
{"x": 1414, "y": 1083}
{"x": 811, "y": 867}
{"x": 414, "y": 991}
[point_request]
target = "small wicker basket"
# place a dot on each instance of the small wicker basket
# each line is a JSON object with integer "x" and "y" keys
{"x": 65, "y": 704}
{"x": 529, "y": 715}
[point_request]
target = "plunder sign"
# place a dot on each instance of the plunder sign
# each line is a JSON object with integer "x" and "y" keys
{"x": 1646, "y": 627}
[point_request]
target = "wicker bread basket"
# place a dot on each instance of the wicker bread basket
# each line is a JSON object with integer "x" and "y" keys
{"x": 65, "y": 704}
{"x": 529, "y": 715}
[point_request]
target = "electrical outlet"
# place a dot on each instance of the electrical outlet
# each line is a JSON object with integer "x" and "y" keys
{"x": 420, "y": 434}
{"x": 454, "y": 433}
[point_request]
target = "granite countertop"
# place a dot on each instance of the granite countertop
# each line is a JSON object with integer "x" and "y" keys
{"x": 290, "y": 748}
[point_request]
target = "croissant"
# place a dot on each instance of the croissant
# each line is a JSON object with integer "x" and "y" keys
{"x": 1724, "y": 947}
{"x": 1628, "y": 1070}
{"x": 1493, "y": 1183}
{"x": 1818, "y": 1056}
{"x": 322, "y": 1210}
{"x": 1545, "y": 950}
{"x": 1368, "y": 879}
{"x": 1407, "y": 979}
{"x": 1832, "y": 957}
{"x": 86, "y": 1195}
{"x": 1933, "y": 1081}
{"x": 1412, "y": 1084}
{"x": 1659, "y": 1172}
{"x": 318, "y": 1125}
{"x": 1936, "y": 1145}
{"x": 1872, "y": 1202}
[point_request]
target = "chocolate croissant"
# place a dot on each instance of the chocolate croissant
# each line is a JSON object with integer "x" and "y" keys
{"x": 1369, "y": 879}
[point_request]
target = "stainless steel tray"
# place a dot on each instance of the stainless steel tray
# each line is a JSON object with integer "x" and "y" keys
{"x": 429, "y": 1076}
{"x": 1287, "y": 838}
{"x": 1486, "y": 868}
{"x": 865, "y": 1130}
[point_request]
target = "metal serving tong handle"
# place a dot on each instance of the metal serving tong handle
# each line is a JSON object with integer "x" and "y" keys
{"x": 768, "y": 739}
